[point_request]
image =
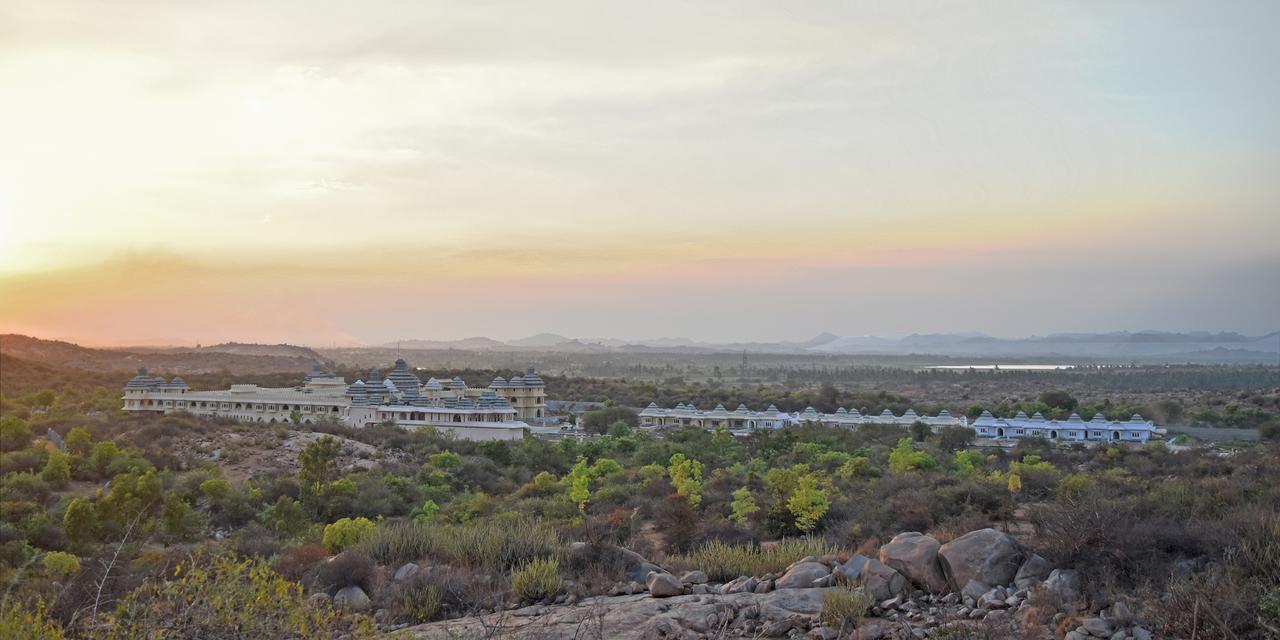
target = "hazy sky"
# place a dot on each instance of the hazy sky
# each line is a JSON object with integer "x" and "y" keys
{"x": 324, "y": 172}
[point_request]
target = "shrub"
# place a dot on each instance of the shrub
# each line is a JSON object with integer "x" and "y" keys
{"x": 844, "y": 608}
{"x": 347, "y": 569}
{"x": 60, "y": 563}
{"x": 495, "y": 545}
{"x": 723, "y": 562}
{"x": 416, "y": 601}
{"x": 295, "y": 561}
{"x": 18, "y": 622}
{"x": 537, "y": 579}
{"x": 346, "y": 532}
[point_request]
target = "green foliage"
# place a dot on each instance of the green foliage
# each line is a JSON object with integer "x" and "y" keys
{"x": 60, "y": 563}
{"x": 495, "y": 545}
{"x": 207, "y": 597}
{"x": 651, "y": 473}
{"x": 579, "y": 484}
{"x": 601, "y": 420}
{"x": 446, "y": 460}
{"x": 808, "y": 503}
{"x": 537, "y": 579}
{"x": 80, "y": 521}
{"x": 316, "y": 466}
{"x": 969, "y": 463}
{"x": 177, "y": 517}
{"x": 686, "y": 477}
{"x": 215, "y": 489}
{"x": 723, "y": 562}
{"x": 743, "y": 505}
{"x": 132, "y": 496}
{"x": 844, "y": 608}
{"x": 904, "y": 458}
{"x": 104, "y": 453}
{"x": 15, "y": 433}
{"x": 856, "y": 467}
{"x": 347, "y": 532}
{"x": 287, "y": 517}
{"x": 57, "y": 470}
{"x": 19, "y": 622}
{"x": 426, "y": 512}
{"x": 605, "y": 467}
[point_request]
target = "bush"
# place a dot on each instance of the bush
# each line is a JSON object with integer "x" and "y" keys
{"x": 346, "y": 532}
{"x": 495, "y": 545}
{"x": 348, "y": 569}
{"x": 60, "y": 563}
{"x": 18, "y": 622}
{"x": 416, "y": 601}
{"x": 723, "y": 562}
{"x": 844, "y": 608}
{"x": 537, "y": 579}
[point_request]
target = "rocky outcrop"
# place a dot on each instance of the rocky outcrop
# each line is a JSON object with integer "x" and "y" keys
{"x": 405, "y": 572}
{"x": 915, "y": 556}
{"x": 631, "y": 565}
{"x": 353, "y": 598}
{"x": 803, "y": 575}
{"x": 1032, "y": 572}
{"x": 879, "y": 580}
{"x": 663, "y": 585}
{"x": 985, "y": 555}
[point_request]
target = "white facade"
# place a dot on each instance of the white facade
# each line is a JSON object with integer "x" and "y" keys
{"x": 401, "y": 398}
{"x": 1073, "y": 429}
{"x": 744, "y": 419}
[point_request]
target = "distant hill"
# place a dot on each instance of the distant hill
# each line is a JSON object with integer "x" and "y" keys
{"x": 232, "y": 357}
{"x": 466, "y": 344}
{"x": 541, "y": 340}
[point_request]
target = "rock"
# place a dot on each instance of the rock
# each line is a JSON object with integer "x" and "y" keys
{"x": 1065, "y": 584}
{"x": 986, "y": 555}
{"x": 915, "y": 556}
{"x": 977, "y": 613}
{"x": 406, "y": 571}
{"x": 1120, "y": 615}
{"x": 882, "y": 582}
{"x": 869, "y": 631}
{"x": 998, "y": 616}
{"x": 975, "y": 589}
{"x": 1096, "y": 627}
{"x": 802, "y": 574}
{"x": 1075, "y": 635}
{"x": 1140, "y": 633}
{"x": 1119, "y": 635}
{"x": 699, "y": 589}
{"x": 353, "y": 598}
{"x": 778, "y": 627}
{"x": 851, "y": 571}
{"x": 1032, "y": 572}
{"x": 824, "y": 581}
{"x": 763, "y": 586}
{"x": 663, "y": 585}
{"x": 694, "y": 577}
{"x": 634, "y": 566}
{"x": 823, "y": 633}
{"x": 319, "y": 600}
{"x": 743, "y": 584}
{"x": 951, "y": 598}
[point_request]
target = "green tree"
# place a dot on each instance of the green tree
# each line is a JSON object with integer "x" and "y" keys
{"x": 580, "y": 484}
{"x": 955, "y": 438}
{"x": 920, "y": 431}
{"x": 446, "y": 460}
{"x": 79, "y": 441}
{"x": 969, "y": 462}
{"x": 346, "y": 532}
{"x": 80, "y": 522}
{"x": 15, "y": 433}
{"x": 600, "y": 420}
{"x": 104, "y": 453}
{"x": 295, "y": 416}
{"x": 287, "y": 517}
{"x": 57, "y": 470}
{"x": 60, "y": 563}
{"x": 808, "y": 503}
{"x": 176, "y": 516}
{"x": 686, "y": 477}
{"x": 215, "y": 489}
{"x": 316, "y": 466}
{"x": 903, "y": 458}
{"x": 605, "y": 467}
{"x": 743, "y": 505}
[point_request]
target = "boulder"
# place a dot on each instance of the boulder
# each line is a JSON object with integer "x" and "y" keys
{"x": 915, "y": 556}
{"x": 802, "y": 575}
{"x": 869, "y": 631}
{"x": 405, "y": 572}
{"x": 742, "y": 584}
{"x": 694, "y": 577}
{"x": 879, "y": 580}
{"x": 633, "y": 565}
{"x": 1096, "y": 627}
{"x": 353, "y": 598}
{"x": 663, "y": 585}
{"x": 1065, "y": 584}
{"x": 986, "y": 555}
{"x": 975, "y": 589}
{"x": 1032, "y": 572}
{"x": 319, "y": 600}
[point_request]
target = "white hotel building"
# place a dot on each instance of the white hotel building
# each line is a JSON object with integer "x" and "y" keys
{"x": 744, "y": 419}
{"x": 493, "y": 413}
{"x": 1073, "y": 429}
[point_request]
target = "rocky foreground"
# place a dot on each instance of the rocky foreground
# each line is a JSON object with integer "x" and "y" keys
{"x": 980, "y": 585}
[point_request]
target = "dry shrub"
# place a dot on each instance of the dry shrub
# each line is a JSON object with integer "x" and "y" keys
{"x": 844, "y": 608}
{"x": 347, "y": 569}
{"x": 537, "y": 579}
{"x": 438, "y": 592}
{"x": 724, "y": 562}
{"x": 295, "y": 562}
{"x": 1211, "y": 604}
{"x": 495, "y": 545}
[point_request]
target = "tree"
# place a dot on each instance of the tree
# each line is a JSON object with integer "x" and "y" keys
{"x": 60, "y": 563}
{"x": 216, "y": 489}
{"x": 57, "y": 470}
{"x": 1015, "y": 483}
{"x": 295, "y": 416}
{"x": 1059, "y": 400}
{"x": 903, "y": 458}
{"x": 580, "y": 484}
{"x": 600, "y": 420}
{"x": 920, "y": 431}
{"x": 686, "y": 477}
{"x": 104, "y": 453}
{"x": 14, "y": 433}
{"x": 955, "y": 438}
{"x": 176, "y": 516}
{"x": 808, "y": 503}
{"x": 79, "y": 441}
{"x": 316, "y": 464}
{"x": 346, "y": 532}
{"x": 743, "y": 505}
{"x": 969, "y": 462}
{"x": 446, "y": 460}
{"x": 80, "y": 522}
{"x": 287, "y": 517}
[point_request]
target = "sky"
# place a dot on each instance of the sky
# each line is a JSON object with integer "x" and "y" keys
{"x": 356, "y": 173}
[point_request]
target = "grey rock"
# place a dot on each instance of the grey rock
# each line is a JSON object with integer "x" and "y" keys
{"x": 663, "y": 585}
{"x": 764, "y": 586}
{"x": 802, "y": 575}
{"x": 1065, "y": 584}
{"x": 879, "y": 580}
{"x": 352, "y": 597}
{"x": 1096, "y": 627}
{"x": 743, "y": 584}
{"x": 823, "y": 633}
{"x": 986, "y": 555}
{"x": 915, "y": 556}
{"x": 1075, "y": 635}
{"x": 974, "y": 590}
{"x": 1119, "y": 635}
{"x": 1120, "y": 614}
{"x": 1140, "y": 633}
{"x": 1032, "y": 572}
{"x": 977, "y": 613}
{"x": 869, "y": 631}
{"x": 406, "y": 571}
{"x": 694, "y": 577}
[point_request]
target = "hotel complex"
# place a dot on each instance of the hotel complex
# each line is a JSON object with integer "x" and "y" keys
{"x": 497, "y": 412}
{"x": 742, "y": 419}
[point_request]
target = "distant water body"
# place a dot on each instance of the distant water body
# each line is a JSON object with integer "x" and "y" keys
{"x": 1006, "y": 367}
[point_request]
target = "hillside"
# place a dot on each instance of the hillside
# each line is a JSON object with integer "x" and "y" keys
{"x": 237, "y": 358}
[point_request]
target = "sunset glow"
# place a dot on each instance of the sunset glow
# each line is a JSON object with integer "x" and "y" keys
{"x": 328, "y": 173}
